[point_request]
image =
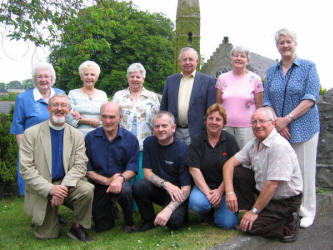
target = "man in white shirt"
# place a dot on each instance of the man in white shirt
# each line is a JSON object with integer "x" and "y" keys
{"x": 271, "y": 171}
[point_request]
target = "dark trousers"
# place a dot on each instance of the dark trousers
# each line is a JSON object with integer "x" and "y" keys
{"x": 104, "y": 209}
{"x": 273, "y": 219}
{"x": 145, "y": 193}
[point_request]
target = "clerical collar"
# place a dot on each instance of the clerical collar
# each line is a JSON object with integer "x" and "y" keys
{"x": 56, "y": 127}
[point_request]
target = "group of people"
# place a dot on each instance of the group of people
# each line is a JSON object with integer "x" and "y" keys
{"x": 218, "y": 149}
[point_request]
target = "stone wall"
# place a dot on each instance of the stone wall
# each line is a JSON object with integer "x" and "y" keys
{"x": 325, "y": 143}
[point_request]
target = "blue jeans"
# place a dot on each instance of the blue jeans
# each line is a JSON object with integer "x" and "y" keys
{"x": 224, "y": 217}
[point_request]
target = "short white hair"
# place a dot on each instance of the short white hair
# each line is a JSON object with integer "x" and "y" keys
{"x": 136, "y": 67}
{"x": 186, "y": 49}
{"x": 89, "y": 65}
{"x": 43, "y": 65}
{"x": 285, "y": 32}
{"x": 268, "y": 112}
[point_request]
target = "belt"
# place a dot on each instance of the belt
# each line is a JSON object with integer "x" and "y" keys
{"x": 182, "y": 126}
{"x": 296, "y": 197}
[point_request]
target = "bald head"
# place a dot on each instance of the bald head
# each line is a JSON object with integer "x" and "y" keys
{"x": 110, "y": 105}
{"x": 110, "y": 116}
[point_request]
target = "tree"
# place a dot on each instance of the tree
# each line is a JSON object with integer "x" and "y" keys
{"x": 114, "y": 35}
{"x": 37, "y": 20}
{"x": 28, "y": 84}
{"x": 14, "y": 85}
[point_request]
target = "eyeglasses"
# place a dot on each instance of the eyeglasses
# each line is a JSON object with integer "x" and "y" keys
{"x": 40, "y": 77}
{"x": 62, "y": 105}
{"x": 260, "y": 122}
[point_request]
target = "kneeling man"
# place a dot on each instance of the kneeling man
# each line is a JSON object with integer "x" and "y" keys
{"x": 113, "y": 154}
{"x": 53, "y": 164}
{"x": 273, "y": 174}
{"x": 167, "y": 181}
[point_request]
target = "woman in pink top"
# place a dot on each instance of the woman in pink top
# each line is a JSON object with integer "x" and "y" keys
{"x": 240, "y": 91}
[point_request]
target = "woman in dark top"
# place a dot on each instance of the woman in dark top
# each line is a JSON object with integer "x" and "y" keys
{"x": 206, "y": 156}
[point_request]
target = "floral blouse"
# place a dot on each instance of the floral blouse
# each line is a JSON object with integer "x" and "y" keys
{"x": 143, "y": 109}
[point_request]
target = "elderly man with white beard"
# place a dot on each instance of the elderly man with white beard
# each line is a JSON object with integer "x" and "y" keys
{"x": 53, "y": 164}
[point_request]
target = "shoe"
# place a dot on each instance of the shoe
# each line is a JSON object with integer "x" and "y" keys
{"x": 146, "y": 226}
{"x": 78, "y": 233}
{"x": 306, "y": 222}
{"x": 130, "y": 229}
{"x": 61, "y": 220}
{"x": 291, "y": 229}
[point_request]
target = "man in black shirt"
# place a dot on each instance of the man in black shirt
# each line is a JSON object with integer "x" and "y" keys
{"x": 167, "y": 181}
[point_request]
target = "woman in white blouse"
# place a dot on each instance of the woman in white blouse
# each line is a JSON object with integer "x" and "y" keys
{"x": 87, "y": 101}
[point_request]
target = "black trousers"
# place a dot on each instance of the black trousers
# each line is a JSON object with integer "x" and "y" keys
{"x": 145, "y": 193}
{"x": 275, "y": 216}
{"x": 104, "y": 209}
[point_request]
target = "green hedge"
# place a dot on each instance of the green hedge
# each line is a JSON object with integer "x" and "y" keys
{"x": 8, "y": 149}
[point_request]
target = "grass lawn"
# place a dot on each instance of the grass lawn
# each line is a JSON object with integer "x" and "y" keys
{"x": 16, "y": 233}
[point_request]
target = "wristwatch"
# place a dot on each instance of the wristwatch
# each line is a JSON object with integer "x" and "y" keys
{"x": 121, "y": 175}
{"x": 255, "y": 211}
{"x": 162, "y": 184}
{"x": 291, "y": 116}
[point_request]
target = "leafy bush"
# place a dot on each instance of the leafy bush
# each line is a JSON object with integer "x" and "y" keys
{"x": 8, "y": 149}
{"x": 9, "y": 97}
{"x": 322, "y": 90}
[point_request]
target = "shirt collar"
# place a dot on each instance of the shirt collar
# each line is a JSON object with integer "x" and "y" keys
{"x": 56, "y": 127}
{"x": 38, "y": 95}
{"x": 222, "y": 136}
{"x": 192, "y": 75}
{"x": 100, "y": 133}
{"x": 297, "y": 62}
{"x": 144, "y": 92}
{"x": 269, "y": 139}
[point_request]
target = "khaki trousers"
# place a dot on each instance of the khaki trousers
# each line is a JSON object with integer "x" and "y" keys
{"x": 79, "y": 199}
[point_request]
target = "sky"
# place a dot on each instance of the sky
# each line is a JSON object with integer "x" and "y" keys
{"x": 247, "y": 23}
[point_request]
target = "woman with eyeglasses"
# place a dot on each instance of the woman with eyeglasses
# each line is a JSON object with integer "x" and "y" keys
{"x": 31, "y": 106}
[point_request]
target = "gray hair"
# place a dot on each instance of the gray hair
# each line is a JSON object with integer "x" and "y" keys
{"x": 89, "y": 65}
{"x": 285, "y": 32}
{"x": 170, "y": 115}
{"x": 268, "y": 112}
{"x": 44, "y": 65}
{"x": 136, "y": 67}
{"x": 59, "y": 95}
{"x": 186, "y": 49}
{"x": 240, "y": 49}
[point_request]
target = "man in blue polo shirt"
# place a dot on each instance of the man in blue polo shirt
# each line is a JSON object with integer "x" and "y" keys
{"x": 113, "y": 154}
{"x": 167, "y": 181}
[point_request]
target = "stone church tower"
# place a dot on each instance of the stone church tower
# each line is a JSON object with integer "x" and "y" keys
{"x": 187, "y": 27}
